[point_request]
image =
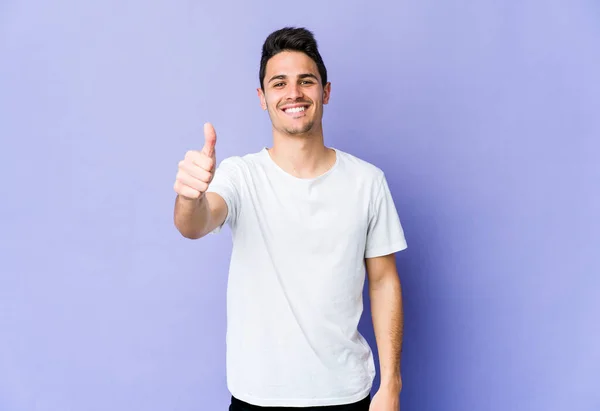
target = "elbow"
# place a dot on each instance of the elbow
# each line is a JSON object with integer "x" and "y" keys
{"x": 188, "y": 232}
{"x": 190, "y": 235}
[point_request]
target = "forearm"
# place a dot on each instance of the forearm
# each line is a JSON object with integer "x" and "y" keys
{"x": 192, "y": 216}
{"x": 388, "y": 324}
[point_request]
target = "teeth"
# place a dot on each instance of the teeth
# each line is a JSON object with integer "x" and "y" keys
{"x": 294, "y": 110}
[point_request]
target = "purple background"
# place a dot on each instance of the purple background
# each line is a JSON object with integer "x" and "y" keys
{"x": 485, "y": 116}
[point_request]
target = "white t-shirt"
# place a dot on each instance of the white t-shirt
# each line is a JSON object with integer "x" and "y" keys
{"x": 297, "y": 272}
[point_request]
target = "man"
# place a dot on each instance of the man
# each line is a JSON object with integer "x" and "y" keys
{"x": 307, "y": 221}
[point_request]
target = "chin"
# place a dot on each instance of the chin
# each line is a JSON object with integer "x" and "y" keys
{"x": 304, "y": 129}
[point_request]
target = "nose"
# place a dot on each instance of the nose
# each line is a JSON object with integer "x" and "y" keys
{"x": 294, "y": 91}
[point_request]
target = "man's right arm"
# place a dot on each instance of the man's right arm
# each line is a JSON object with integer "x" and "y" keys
{"x": 198, "y": 212}
{"x": 195, "y": 218}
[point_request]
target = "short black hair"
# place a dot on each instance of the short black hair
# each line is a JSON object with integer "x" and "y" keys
{"x": 291, "y": 39}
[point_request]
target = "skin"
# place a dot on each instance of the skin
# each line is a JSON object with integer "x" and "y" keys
{"x": 292, "y": 80}
{"x": 385, "y": 293}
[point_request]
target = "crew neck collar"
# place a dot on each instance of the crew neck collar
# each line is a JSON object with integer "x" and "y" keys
{"x": 269, "y": 159}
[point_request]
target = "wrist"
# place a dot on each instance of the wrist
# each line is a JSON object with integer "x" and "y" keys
{"x": 392, "y": 384}
{"x": 191, "y": 201}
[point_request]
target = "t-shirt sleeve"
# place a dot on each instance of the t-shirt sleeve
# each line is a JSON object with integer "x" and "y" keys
{"x": 385, "y": 234}
{"x": 226, "y": 183}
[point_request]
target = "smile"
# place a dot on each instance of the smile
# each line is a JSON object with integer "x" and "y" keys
{"x": 294, "y": 110}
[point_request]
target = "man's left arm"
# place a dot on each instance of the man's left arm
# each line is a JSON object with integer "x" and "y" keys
{"x": 385, "y": 293}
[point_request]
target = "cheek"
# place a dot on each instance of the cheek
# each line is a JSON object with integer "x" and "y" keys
{"x": 271, "y": 107}
{"x": 273, "y": 103}
{"x": 269, "y": 102}
{"x": 317, "y": 97}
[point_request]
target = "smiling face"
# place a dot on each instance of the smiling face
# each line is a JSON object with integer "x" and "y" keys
{"x": 293, "y": 93}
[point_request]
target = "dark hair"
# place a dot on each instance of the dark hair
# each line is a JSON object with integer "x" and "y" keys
{"x": 291, "y": 39}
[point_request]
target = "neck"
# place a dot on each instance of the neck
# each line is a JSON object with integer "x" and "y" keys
{"x": 303, "y": 156}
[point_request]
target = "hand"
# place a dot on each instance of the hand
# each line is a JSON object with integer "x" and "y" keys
{"x": 196, "y": 170}
{"x": 385, "y": 400}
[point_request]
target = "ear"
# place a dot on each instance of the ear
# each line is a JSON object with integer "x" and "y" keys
{"x": 326, "y": 92}
{"x": 261, "y": 96}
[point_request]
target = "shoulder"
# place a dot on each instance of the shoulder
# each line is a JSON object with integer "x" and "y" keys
{"x": 359, "y": 168}
{"x": 242, "y": 163}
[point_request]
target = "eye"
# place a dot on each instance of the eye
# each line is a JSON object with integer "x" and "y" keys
{"x": 306, "y": 82}
{"x": 278, "y": 84}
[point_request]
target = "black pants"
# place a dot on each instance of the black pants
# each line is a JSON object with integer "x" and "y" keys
{"x": 363, "y": 405}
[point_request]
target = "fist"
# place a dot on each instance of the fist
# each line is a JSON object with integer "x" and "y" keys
{"x": 196, "y": 170}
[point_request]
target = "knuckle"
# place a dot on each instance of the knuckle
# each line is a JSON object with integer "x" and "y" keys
{"x": 190, "y": 155}
{"x": 211, "y": 163}
{"x": 180, "y": 175}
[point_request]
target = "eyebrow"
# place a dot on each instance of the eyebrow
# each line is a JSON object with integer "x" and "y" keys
{"x": 283, "y": 77}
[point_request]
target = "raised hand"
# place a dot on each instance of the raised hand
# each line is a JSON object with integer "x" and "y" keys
{"x": 196, "y": 170}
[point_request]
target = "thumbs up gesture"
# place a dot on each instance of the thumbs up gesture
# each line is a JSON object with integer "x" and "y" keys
{"x": 196, "y": 170}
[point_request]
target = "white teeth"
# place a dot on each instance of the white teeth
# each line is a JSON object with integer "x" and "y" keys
{"x": 294, "y": 110}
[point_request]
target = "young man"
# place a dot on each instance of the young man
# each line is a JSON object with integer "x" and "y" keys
{"x": 307, "y": 222}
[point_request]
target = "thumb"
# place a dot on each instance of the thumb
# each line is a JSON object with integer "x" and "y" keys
{"x": 210, "y": 140}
